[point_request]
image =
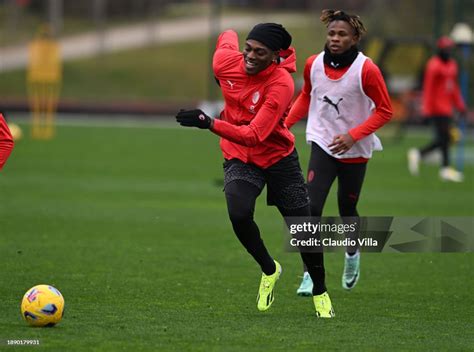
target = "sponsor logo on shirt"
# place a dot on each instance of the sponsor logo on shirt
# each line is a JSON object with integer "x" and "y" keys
{"x": 330, "y": 102}
{"x": 255, "y": 97}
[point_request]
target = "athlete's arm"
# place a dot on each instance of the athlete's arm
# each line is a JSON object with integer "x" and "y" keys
{"x": 273, "y": 108}
{"x": 227, "y": 49}
{"x": 6, "y": 142}
{"x": 300, "y": 107}
{"x": 374, "y": 87}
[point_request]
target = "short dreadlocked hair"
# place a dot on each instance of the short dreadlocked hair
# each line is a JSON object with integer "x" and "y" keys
{"x": 328, "y": 16}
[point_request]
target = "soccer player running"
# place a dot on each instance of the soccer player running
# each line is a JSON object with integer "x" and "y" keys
{"x": 345, "y": 99}
{"x": 258, "y": 148}
{"x": 441, "y": 94}
{"x": 6, "y": 141}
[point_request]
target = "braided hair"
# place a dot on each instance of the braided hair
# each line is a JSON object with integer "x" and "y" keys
{"x": 328, "y": 16}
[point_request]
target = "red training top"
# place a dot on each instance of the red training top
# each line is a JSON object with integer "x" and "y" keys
{"x": 6, "y": 142}
{"x": 252, "y": 123}
{"x": 374, "y": 87}
{"x": 440, "y": 88}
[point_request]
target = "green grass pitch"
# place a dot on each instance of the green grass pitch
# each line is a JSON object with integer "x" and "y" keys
{"x": 130, "y": 225}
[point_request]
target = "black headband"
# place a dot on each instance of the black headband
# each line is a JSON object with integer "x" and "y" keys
{"x": 272, "y": 35}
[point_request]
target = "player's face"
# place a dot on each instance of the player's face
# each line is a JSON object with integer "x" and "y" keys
{"x": 340, "y": 37}
{"x": 257, "y": 56}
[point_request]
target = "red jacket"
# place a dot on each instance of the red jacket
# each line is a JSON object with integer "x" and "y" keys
{"x": 6, "y": 142}
{"x": 252, "y": 123}
{"x": 440, "y": 88}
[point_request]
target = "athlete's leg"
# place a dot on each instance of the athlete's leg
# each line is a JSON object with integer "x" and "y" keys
{"x": 350, "y": 181}
{"x": 287, "y": 190}
{"x": 443, "y": 136}
{"x": 322, "y": 171}
{"x": 436, "y": 142}
{"x": 241, "y": 196}
{"x": 314, "y": 262}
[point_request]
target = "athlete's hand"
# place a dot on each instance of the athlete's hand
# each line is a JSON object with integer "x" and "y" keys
{"x": 341, "y": 144}
{"x": 194, "y": 118}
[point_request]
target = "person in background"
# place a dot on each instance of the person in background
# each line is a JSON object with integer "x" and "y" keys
{"x": 441, "y": 96}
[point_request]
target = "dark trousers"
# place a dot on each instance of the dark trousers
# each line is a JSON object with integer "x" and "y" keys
{"x": 322, "y": 171}
{"x": 241, "y": 192}
{"x": 441, "y": 141}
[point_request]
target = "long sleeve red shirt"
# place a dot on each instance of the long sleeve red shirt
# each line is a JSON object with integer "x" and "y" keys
{"x": 441, "y": 91}
{"x": 6, "y": 142}
{"x": 374, "y": 87}
{"x": 252, "y": 123}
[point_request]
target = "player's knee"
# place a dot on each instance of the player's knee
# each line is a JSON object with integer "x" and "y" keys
{"x": 347, "y": 208}
{"x": 240, "y": 215}
{"x": 348, "y": 204}
{"x": 239, "y": 210}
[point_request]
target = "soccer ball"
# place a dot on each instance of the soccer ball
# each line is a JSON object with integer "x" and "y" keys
{"x": 42, "y": 305}
{"x": 16, "y": 131}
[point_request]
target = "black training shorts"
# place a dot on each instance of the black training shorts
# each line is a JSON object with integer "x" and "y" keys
{"x": 286, "y": 187}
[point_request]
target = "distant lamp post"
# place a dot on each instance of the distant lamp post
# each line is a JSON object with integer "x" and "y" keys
{"x": 464, "y": 39}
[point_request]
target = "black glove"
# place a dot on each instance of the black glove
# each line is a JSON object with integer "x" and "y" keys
{"x": 194, "y": 118}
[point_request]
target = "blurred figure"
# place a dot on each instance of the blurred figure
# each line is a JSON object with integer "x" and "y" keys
{"x": 441, "y": 94}
{"x": 346, "y": 101}
{"x": 44, "y": 82}
{"x": 6, "y": 142}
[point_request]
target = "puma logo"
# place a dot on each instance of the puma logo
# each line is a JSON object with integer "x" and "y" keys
{"x": 231, "y": 84}
{"x": 329, "y": 101}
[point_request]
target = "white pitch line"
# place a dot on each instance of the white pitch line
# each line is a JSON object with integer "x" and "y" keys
{"x": 163, "y": 122}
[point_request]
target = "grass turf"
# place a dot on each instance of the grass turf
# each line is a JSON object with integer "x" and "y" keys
{"x": 131, "y": 226}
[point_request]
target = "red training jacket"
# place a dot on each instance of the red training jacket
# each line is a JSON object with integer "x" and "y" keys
{"x": 251, "y": 126}
{"x": 6, "y": 142}
{"x": 374, "y": 87}
{"x": 440, "y": 88}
